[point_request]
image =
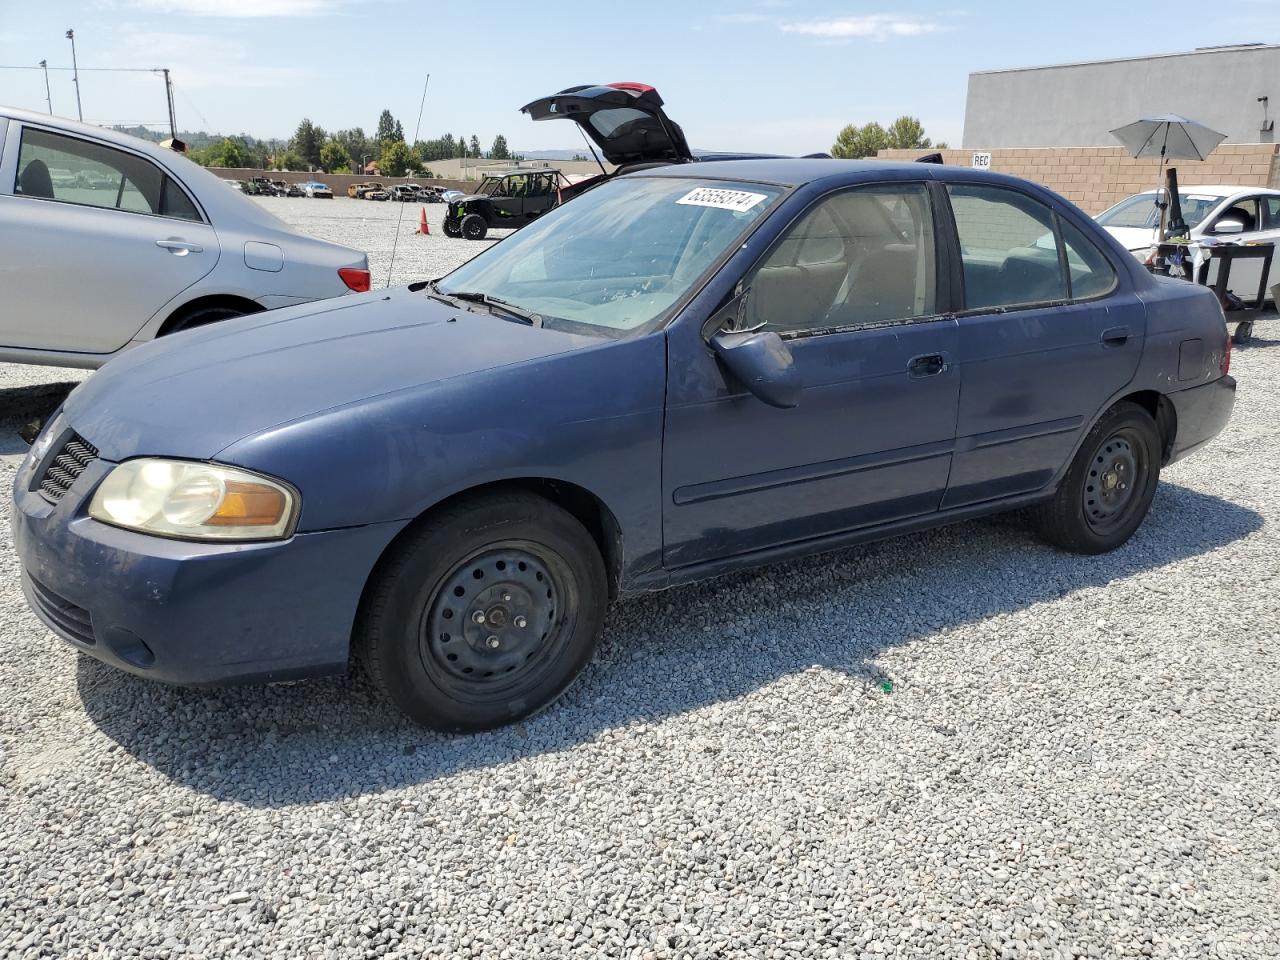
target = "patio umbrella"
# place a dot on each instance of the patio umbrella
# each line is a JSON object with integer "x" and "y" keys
{"x": 1169, "y": 137}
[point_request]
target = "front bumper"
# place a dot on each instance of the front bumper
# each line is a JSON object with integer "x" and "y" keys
{"x": 191, "y": 613}
{"x": 1202, "y": 413}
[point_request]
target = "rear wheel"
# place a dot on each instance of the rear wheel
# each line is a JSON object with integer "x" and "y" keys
{"x": 486, "y": 614}
{"x": 474, "y": 226}
{"x": 203, "y": 316}
{"x": 1109, "y": 486}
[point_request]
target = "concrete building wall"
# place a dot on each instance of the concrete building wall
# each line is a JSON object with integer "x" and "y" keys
{"x": 1094, "y": 178}
{"x": 1077, "y": 105}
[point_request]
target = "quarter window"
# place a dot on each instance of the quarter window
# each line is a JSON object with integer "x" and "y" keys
{"x": 54, "y": 167}
{"x": 859, "y": 257}
{"x": 1091, "y": 273}
{"x": 1008, "y": 247}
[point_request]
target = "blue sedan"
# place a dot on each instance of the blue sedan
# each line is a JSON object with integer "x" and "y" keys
{"x": 685, "y": 371}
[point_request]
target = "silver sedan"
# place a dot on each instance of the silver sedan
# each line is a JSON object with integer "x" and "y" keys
{"x": 107, "y": 241}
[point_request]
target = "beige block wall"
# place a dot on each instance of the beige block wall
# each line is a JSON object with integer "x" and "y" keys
{"x": 1096, "y": 177}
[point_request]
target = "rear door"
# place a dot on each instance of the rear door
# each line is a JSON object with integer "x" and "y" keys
{"x": 96, "y": 239}
{"x": 1048, "y": 332}
{"x": 1252, "y": 211}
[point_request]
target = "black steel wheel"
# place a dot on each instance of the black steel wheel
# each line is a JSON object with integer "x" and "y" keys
{"x": 474, "y": 226}
{"x": 485, "y": 613}
{"x": 1109, "y": 486}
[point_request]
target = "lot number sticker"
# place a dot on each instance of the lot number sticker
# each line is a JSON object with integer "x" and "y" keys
{"x": 736, "y": 200}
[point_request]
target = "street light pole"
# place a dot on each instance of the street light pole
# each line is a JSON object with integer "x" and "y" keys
{"x": 363, "y": 159}
{"x": 168, "y": 92}
{"x": 75, "y": 72}
{"x": 48, "y": 97}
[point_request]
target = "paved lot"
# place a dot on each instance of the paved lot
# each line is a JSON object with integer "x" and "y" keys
{"x": 957, "y": 744}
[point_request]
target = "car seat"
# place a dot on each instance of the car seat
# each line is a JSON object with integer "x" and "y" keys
{"x": 35, "y": 181}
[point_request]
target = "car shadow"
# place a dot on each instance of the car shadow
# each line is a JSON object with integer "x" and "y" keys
{"x": 19, "y": 406}
{"x": 662, "y": 654}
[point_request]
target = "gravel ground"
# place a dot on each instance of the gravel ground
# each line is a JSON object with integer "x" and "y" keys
{"x": 956, "y": 744}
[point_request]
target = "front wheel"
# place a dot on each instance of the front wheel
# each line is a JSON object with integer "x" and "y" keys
{"x": 485, "y": 614}
{"x": 474, "y": 226}
{"x": 1109, "y": 486}
{"x": 451, "y": 228}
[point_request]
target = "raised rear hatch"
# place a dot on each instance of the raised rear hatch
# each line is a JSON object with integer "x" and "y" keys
{"x": 625, "y": 120}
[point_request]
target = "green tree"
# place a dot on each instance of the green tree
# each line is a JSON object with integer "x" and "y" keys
{"x": 356, "y": 144}
{"x": 292, "y": 160}
{"x": 228, "y": 153}
{"x": 388, "y": 129}
{"x": 307, "y": 141}
{"x": 462, "y": 146}
{"x": 854, "y": 142}
{"x": 474, "y": 150}
{"x": 499, "y": 150}
{"x": 907, "y": 133}
{"x": 396, "y": 159}
{"x": 942, "y": 145}
{"x": 334, "y": 157}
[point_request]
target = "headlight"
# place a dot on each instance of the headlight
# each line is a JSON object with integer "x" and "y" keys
{"x": 40, "y": 449}
{"x": 195, "y": 501}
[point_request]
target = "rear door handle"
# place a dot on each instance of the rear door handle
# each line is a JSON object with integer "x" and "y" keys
{"x": 179, "y": 248}
{"x": 1115, "y": 336}
{"x": 928, "y": 365}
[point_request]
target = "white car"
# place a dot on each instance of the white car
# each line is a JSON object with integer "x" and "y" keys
{"x": 1221, "y": 212}
{"x": 156, "y": 245}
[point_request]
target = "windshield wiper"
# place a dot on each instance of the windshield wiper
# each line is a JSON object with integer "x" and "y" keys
{"x": 518, "y": 313}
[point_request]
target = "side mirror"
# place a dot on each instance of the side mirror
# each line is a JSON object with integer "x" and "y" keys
{"x": 1228, "y": 225}
{"x": 763, "y": 363}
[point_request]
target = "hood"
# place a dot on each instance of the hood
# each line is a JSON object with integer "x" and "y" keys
{"x": 1133, "y": 238}
{"x": 194, "y": 394}
{"x": 625, "y": 120}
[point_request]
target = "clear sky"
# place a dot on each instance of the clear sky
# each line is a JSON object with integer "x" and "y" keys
{"x": 770, "y": 75}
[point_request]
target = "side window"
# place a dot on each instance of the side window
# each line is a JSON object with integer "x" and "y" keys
{"x": 1091, "y": 273}
{"x": 1246, "y": 211}
{"x": 1008, "y": 247}
{"x": 1272, "y": 205}
{"x": 859, "y": 257}
{"x": 54, "y": 167}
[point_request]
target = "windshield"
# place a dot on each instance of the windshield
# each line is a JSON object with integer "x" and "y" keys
{"x": 619, "y": 256}
{"x": 1141, "y": 211}
{"x": 489, "y": 185}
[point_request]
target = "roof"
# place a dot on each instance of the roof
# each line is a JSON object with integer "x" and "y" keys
{"x": 795, "y": 171}
{"x": 1217, "y": 189}
{"x": 1198, "y": 52}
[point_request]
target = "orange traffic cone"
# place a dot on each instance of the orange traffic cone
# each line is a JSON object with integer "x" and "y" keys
{"x": 422, "y": 223}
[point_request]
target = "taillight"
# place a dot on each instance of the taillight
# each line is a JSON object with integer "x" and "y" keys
{"x": 1226, "y": 355}
{"x": 355, "y": 278}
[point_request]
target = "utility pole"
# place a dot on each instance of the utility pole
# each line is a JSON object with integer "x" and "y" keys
{"x": 75, "y": 72}
{"x": 168, "y": 92}
{"x": 48, "y": 97}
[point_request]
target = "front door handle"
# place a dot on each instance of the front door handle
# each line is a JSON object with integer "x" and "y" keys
{"x": 1115, "y": 336}
{"x": 928, "y": 365}
{"x": 179, "y": 248}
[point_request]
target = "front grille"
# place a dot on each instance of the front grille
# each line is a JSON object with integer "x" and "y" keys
{"x": 71, "y": 621}
{"x": 65, "y": 468}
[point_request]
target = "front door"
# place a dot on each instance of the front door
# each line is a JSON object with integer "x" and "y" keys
{"x": 1049, "y": 332}
{"x": 852, "y": 289}
{"x": 95, "y": 239}
{"x": 1260, "y": 218}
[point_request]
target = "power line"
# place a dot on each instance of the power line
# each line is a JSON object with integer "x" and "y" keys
{"x": 18, "y": 66}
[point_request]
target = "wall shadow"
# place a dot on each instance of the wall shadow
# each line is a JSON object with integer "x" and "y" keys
{"x": 662, "y": 654}
{"x": 20, "y": 405}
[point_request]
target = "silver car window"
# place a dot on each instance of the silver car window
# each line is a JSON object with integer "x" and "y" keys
{"x": 71, "y": 170}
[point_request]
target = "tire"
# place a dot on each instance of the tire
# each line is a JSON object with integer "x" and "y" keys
{"x": 1109, "y": 486}
{"x": 474, "y": 226}
{"x": 1243, "y": 333}
{"x": 451, "y": 229}
{"x": 485, "y": 614}
{"x": 204, "y": 316}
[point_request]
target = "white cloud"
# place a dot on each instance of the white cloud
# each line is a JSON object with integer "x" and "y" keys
{"x": 238, "y": 9}
{"x": 874, "y": 26}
